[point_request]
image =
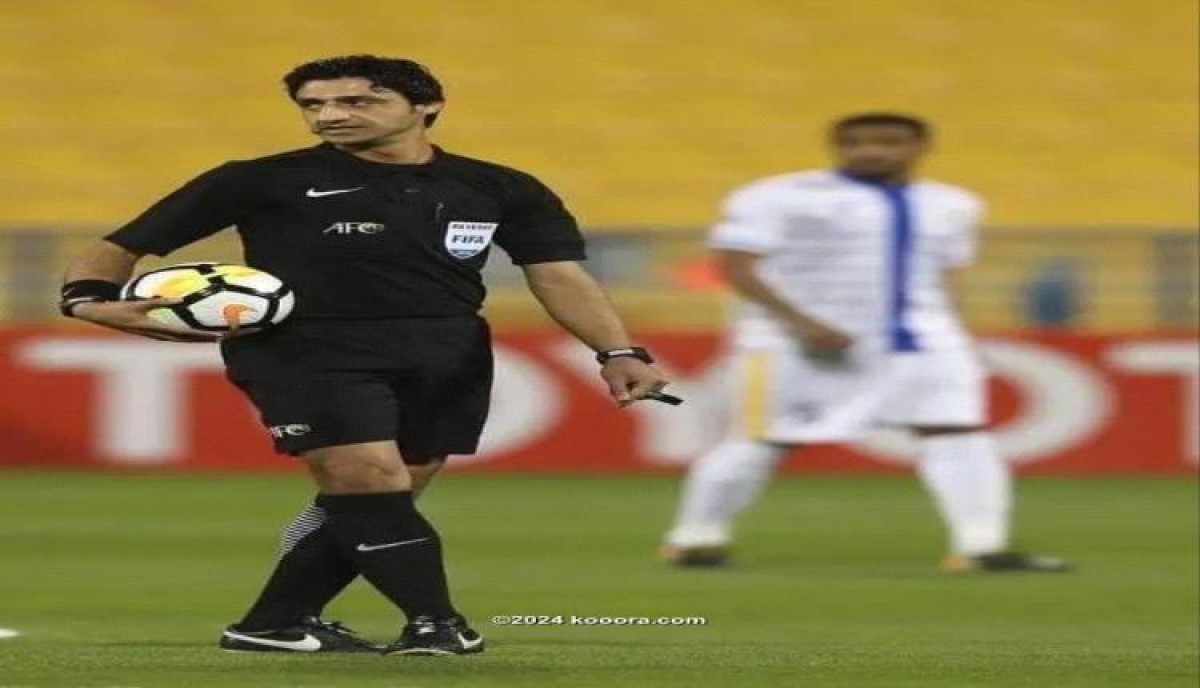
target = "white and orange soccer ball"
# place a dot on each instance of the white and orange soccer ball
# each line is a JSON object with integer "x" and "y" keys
{"x": 215, "y": 297}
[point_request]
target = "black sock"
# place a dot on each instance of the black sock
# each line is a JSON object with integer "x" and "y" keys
{"x": 394, "y": 548}
{"x": 311, "y": 571}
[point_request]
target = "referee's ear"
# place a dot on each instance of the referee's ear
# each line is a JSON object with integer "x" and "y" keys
{"x": 430, "y": 111}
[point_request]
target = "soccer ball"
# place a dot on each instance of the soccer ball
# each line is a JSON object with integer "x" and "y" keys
{"x": 216, "y": 297}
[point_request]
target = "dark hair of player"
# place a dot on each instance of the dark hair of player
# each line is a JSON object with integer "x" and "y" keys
{"x": 919, "y": 127}
{"x": 410, "y": 79}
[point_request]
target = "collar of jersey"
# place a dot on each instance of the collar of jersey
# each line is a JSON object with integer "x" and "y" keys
{"x": 883, "y": 186}
{"x": 354, "y": 162}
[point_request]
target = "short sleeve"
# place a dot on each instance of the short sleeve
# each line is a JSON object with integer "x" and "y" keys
{"x": 963, "y": 245}
{"x": 209, "y": 203}
{"x": 751, "y": 221}
{"x": 536, "y": 227}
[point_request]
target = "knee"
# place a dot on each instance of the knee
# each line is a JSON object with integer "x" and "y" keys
{"x": 359, "y": 473}
{"x": 348, "y": 477}
{"x": 736, "y": 461}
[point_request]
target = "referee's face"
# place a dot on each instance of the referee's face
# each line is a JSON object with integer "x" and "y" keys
{"x": 352, "y": 112}
{"x": 878, "y": 150}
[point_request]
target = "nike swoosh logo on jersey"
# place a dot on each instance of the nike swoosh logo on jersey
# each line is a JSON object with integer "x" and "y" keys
{"x": 313, "y": 193}
{"x": 372, "y": 548}
{"x": 306, "y": 644}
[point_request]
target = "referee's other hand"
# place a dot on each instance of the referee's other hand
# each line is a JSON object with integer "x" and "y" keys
{"x": 630, "y": 379}
{"x": 133, "y": 317}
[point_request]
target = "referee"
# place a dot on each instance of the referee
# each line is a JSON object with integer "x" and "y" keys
{"x": 385, "y": 367}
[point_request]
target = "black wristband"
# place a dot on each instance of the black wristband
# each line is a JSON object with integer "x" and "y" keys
{"x": 67, "y": 307}
{"x": 86, "y": 291}
{"x": 102, "y": 290}
{"x": 630, "y": 351}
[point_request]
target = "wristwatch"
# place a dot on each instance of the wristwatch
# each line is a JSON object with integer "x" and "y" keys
{"x": 631, "y": 351}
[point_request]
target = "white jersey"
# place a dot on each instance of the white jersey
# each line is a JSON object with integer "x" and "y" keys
{"x": 863, "y": 257}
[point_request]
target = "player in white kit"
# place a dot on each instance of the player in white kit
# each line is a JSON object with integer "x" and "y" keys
{"x": 845, "y": 324}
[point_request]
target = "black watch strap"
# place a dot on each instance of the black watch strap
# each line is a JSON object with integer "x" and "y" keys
{"x": 630, "y": 351}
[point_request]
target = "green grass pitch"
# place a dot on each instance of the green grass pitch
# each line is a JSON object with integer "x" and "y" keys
{"x": 126, "y": 580}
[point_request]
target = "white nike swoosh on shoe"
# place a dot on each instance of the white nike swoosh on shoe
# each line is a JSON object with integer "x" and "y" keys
{"x": 372, "y": 548}
{"x": 313, "y": 193}
{"x": 470, "y": 644}
{"x": 307, "y": 644}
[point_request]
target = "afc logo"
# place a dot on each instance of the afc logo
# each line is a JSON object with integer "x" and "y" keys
{"x": 354, "y": 228}
{"x": 290, "y": 430}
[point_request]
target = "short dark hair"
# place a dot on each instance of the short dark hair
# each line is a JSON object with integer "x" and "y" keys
{"x": 410, "y": 79}
{"x": 918, "y": 126}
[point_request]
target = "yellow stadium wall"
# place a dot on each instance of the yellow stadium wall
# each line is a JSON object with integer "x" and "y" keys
{"x": 1061, "y": 112}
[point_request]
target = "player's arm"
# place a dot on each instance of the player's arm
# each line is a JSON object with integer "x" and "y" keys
{"x": 577, "y": 303}
{"x": 753, "y": 223}
{"x": 740, "y": 269}
{"x": 952, "y": 280}
{"x": 542, "y": 237}
{"x": 91, "y": 292}
{"x": 203, "y": 206}
{"x": 958, "y": 253}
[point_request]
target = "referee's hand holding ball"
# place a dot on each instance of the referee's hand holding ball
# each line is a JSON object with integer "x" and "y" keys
{"x": 134, "y": 317}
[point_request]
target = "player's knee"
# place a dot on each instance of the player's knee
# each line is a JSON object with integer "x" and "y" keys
{"x": 740, "y": 456}
{"x": 361, "y": 470}
{"x": 350, "y": 477}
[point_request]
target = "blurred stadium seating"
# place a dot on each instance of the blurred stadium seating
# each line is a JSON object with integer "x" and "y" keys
{"x": 1122, "y": 279}
{"x": 1072, "y": 115}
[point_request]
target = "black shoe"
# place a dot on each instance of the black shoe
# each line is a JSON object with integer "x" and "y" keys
{"x": 426, "y": 635}
{"x": 1006, "y": 562}
{"x": 707, "y": 556}
{"x": 310, "y": 635}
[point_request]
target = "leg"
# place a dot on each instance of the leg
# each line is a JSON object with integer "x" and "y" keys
{"x": 312, "y": 569}
{"x": 970, "y": 485}
{"x": 718, "y": 486}
{"x": 350, "y": 426}
{"x": 366, "y": 491}
{"x": 763, "y": 384}
{"x": 310, "y": 572}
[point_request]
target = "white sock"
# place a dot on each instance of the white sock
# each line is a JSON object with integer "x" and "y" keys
{"x": 718, "y": 486}
{"x": 972, "y": 487}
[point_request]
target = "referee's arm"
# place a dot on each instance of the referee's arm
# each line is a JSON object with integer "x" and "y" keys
{"x": 92, "y": 284}
{"x": 576, "y": 302}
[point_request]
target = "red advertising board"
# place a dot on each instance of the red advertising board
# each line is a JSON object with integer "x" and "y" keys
{"x": 1062, "y": 403}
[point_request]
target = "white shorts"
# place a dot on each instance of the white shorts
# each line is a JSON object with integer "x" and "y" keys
{"x": 779, "y": 395}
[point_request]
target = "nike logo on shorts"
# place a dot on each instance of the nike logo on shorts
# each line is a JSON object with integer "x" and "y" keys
{"x": 372, "y": 548}
{"x": 313, "y": 193}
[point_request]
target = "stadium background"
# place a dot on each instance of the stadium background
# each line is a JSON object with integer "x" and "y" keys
{"x": 1075, "y": 119}
{"x": 131, "y": 530}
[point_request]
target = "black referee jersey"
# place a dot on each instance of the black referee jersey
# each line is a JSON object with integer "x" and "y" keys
{"x": 361, "y": 240}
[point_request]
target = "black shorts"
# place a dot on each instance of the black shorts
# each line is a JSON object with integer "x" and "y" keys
{"x": 424, "y": 383}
